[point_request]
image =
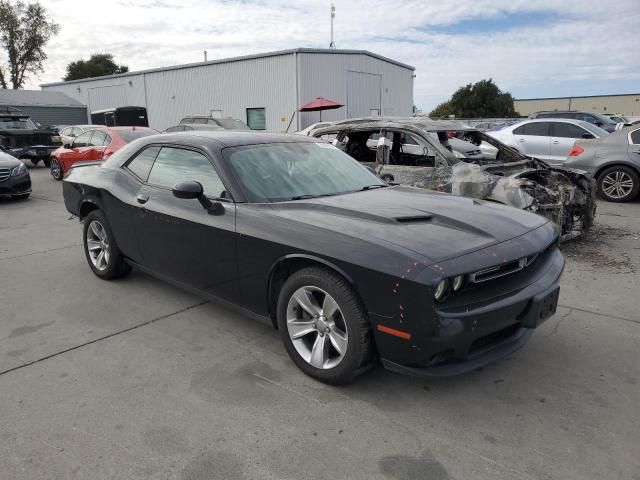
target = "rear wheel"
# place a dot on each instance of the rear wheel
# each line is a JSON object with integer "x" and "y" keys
{"x": 100, "y": 248}
{"x": 56, "y": 169}
{"x": 619, "y": 184}
{"x": 324, "y": 326}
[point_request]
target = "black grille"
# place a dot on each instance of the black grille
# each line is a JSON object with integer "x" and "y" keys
{"x": 4, "y": 173}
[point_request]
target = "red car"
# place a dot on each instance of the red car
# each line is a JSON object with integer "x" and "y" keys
{"x": 94, "y": 145}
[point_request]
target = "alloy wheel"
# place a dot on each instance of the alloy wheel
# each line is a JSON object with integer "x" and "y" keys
{"x": 316, "y": 327}
{"x": 56, "y": 171}
{"x": 617, "y": 184}
{"x": 98, "y": 245}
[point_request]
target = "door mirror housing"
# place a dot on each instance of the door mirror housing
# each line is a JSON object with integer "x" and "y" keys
{"x": 193, "y": 190}
{"x": 188, "y": 190}
{"x": 588, "y": 135}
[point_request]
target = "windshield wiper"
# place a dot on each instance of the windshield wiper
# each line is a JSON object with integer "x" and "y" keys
{"x": 308, "y": 195}
{"x": 371, "y": 187}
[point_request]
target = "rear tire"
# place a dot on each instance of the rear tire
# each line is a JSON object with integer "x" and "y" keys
{"x": 338, "y": 328}
{"x": 56, "y": 169}
{"x": 103, "y": 255}
{"x": 619, "y": 184}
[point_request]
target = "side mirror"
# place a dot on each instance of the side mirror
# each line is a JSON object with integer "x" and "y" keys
{"x": 193, "y": 190}
{"x": 188, "y": 190}
{"x": 588, "y": 135}
{"x": 67, "y": 146}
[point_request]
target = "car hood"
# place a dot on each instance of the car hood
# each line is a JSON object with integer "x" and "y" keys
{"x": 420, "y": 222}
{"x": 8, "y": 161}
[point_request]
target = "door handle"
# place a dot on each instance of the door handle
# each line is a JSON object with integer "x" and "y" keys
{"x": 521, "y": 140}
{"x": 555, "y": 142}
{"x": 142, "y": 198}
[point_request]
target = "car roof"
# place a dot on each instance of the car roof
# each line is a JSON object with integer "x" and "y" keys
{"x": 233, "y": 138}
{"x": 547, "y": 120}
{"x": 423, "y": 123}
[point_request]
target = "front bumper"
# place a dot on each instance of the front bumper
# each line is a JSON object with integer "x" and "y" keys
{"x": 37, "y": 152}
{"x": 473, "y": 332}
{"x": 16, "y": 185}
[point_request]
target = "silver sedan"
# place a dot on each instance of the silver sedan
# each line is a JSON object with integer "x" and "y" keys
{"x": 614, "y": 161}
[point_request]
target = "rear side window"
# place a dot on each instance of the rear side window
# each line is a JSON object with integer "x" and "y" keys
{"x": 82, "y": 140}
{"x": 142, "y": 163}
{"x": 567, "y": 130}
{"x": 635, "y": 137}
{"x": 538, "y": 129}
{"x": 175, "y": 165}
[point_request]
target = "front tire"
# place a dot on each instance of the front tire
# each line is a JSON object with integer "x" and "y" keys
{"x": 324, "y": 327}
{"x": 619, "y": 184}
{"x": 100, "y": 248}
{"x": 56, "y": 169}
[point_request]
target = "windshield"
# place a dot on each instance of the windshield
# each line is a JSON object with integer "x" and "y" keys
{"x": 288, "y": 171}
{"x": 11, "y": 123}
{"x": 597, "y": 131}
{"x": 231, "y": 124}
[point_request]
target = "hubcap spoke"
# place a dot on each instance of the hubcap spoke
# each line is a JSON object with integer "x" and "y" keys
{"x": 319, "y": 351}
{"x": 93, "y": 245}
{"x": 329, "y": 306}
{"x": 298, "y": 329}
{"x": 307, "y": 302}
{"x": 338, "y": 340}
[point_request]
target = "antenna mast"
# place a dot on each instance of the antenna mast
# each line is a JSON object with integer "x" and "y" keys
{"x": 333, "y": 15}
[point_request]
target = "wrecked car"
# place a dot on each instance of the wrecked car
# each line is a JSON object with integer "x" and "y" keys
{"x": 23, "y": 139}
{"x": 418, "y": 152}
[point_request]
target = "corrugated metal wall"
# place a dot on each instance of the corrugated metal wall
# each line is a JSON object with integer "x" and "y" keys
{"x": 55, "y": 115}
{"x": 264, "y": 82}
{"x": 327, "y": 75}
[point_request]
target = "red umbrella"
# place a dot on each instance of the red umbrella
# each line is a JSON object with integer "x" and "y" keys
{"x": 320, "y": 104}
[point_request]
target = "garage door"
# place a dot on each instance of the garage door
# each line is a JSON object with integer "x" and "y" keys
{"x": 363, "y": 94}
{"x": 107, "y": 97}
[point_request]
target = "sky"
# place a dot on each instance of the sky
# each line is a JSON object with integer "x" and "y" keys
{"x": 531, "y": 48}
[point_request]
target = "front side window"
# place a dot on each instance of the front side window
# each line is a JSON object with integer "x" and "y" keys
{"x": 567, "y": 130}
{"x": 141, "y": 165}
{"x": 175, "y": 165}
{"x": 635, "y": 137}
{"x": 98, "y": 138}
{"x": 82, "y": 140}
{"x": 289, "y": 171}
{"x": 256, "y": 118}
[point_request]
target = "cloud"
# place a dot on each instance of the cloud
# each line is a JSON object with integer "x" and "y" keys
{"x": 531, "y": 48}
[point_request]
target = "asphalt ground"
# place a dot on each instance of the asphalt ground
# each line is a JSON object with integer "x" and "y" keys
{"x": 135, "y": 379}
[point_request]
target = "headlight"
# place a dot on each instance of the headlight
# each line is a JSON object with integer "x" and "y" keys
{"x": 19, "y": 170}
{"x": 457, "y": 282}
{"x": 441, "y": 290}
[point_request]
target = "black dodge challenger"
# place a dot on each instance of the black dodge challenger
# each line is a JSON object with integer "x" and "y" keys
{"x": 293, "y": 231}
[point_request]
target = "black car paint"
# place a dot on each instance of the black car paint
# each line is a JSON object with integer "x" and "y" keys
{"x": 393, "y": 245}
{"x": 13, "y": 184}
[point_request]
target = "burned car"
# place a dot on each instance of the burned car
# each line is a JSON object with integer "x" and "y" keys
{"x": 23, "y": 139}
{"x": 417, "y": 152}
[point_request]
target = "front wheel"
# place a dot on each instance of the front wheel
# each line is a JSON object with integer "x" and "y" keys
{"x": 324, "y": 327}
{"x": 100, "y": 248}
{"x": 56, "y": 169}
{"x": 619, "y": 184}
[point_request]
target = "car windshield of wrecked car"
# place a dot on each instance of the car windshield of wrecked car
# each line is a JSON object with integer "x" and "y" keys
{"x": 293, "y": 171}
{"x": 15, "y": 123}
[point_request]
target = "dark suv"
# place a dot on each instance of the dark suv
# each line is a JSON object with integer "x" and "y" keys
{"x": 22, "y": 138}
{"x": 597, "y": 119}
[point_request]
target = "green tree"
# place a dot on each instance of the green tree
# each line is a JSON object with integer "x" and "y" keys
{"x": 482, "y": 99}
{"x": 24, "y": 31}
{"x": 98, "y": 65}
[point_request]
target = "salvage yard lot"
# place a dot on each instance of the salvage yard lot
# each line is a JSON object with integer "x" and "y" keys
{"x": 137, "y": 379}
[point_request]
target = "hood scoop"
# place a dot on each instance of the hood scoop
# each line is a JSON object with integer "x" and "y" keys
{"x": 409, "y": 219}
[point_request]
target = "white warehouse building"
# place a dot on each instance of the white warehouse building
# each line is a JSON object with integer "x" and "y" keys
{"x": 262, "y": 90}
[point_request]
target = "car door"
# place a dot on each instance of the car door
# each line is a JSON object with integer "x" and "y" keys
{"x": 563, "y": 136}
{"x": 634, "y": 146}
{"x": 533, "y": 139}
{"x": 97, "y": 145}
{"x": 178, "y": 238}
{"x": 77, "y": 151}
